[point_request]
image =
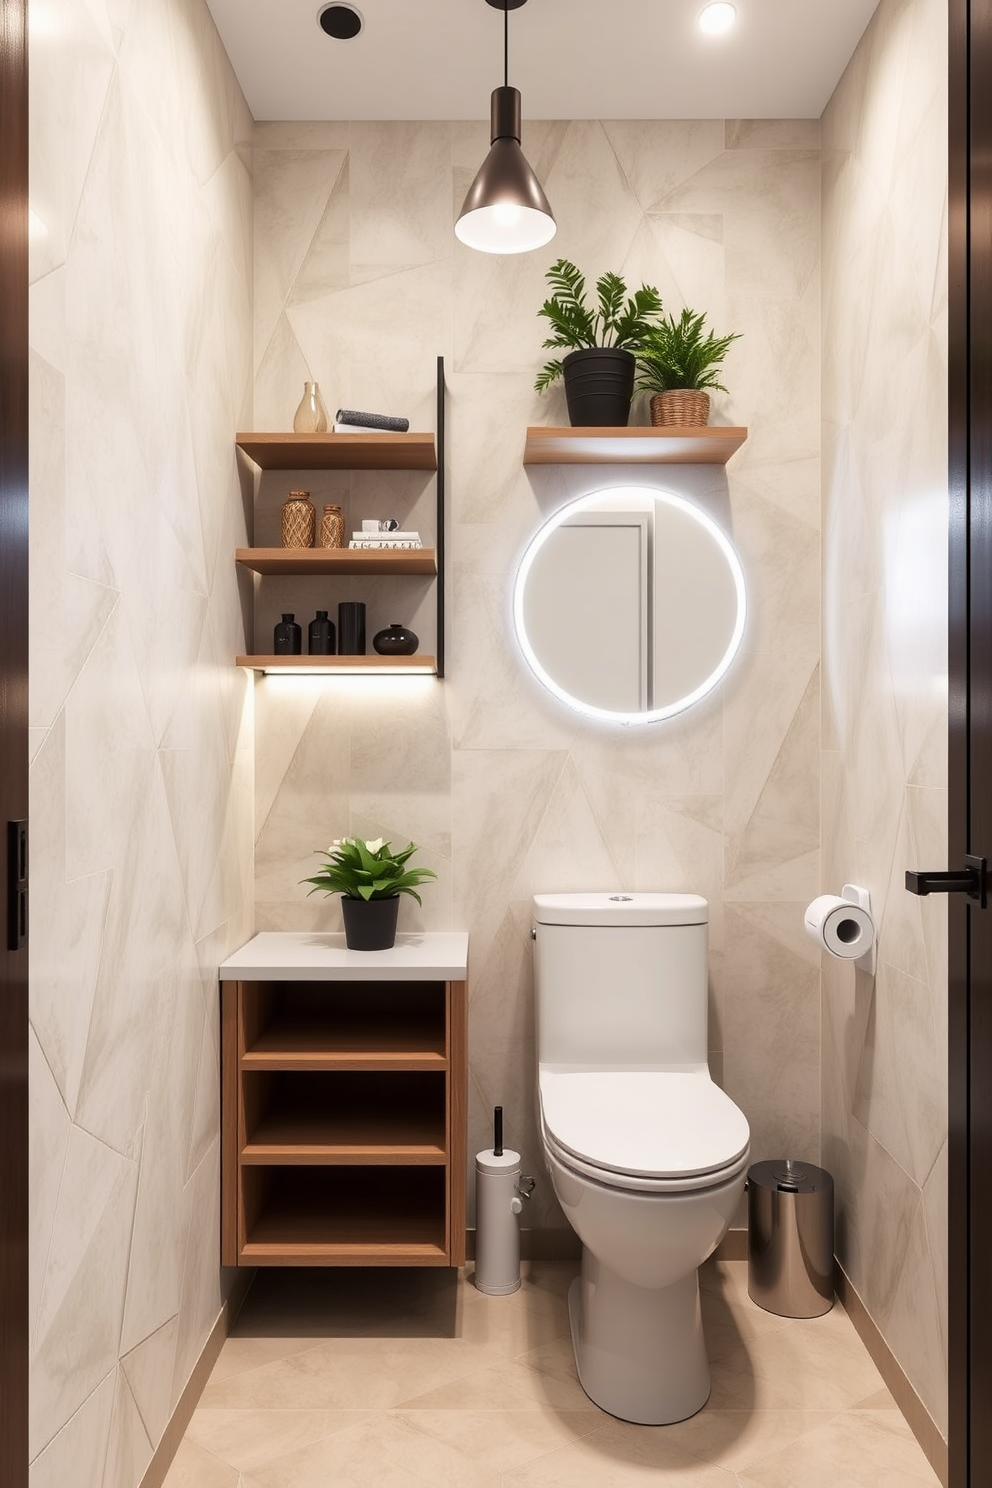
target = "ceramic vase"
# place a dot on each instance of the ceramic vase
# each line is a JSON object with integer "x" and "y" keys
{"x": 395, "y": 640}
{"x": 311, "y": 415}
{"x": 351, "y": 628}
{"x": 299, "y": 520}
{"x": 331, "y": 528}
{"x": 287, "y": 638}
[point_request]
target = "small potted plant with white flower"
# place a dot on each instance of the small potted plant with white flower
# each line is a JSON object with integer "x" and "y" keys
{"x": 370, "y": 877}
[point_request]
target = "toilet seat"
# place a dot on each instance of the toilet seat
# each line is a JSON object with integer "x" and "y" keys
{"x": 649, "y": 1130}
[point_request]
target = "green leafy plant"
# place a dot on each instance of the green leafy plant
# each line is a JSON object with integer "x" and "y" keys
{"x": 615, "y": 319}
{"x": 677, "y": 354}
{"x": 368, "y": 870}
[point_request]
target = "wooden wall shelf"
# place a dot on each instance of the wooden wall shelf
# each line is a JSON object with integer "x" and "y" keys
{"x": 340, "y": 451}
{"x": 296, "y": 562}
{"x": 338, "y": 666}
{"x": 706, "y": 445}
{"x": 346, "y": 452}
{"x": 343, "y": 1102}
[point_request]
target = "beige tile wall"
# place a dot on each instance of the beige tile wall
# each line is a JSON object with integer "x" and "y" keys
{"x": 141, "y": 772}
{"x": 885, "y": 684}
{"x": 360, "y": 284}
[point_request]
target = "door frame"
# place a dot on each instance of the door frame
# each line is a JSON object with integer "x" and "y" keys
{"x": 13, "y": 735}
{"x": 969, "y": 738}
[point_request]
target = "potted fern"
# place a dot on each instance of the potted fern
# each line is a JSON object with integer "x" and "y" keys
{"x": 677, "y": 363}
{"x": 600, "y": 340}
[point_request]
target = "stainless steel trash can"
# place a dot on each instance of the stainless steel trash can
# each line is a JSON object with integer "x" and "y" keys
{"x": 790, "y": 1238}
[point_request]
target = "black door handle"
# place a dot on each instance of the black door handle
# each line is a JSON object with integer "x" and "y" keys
{"x": 972, "y": 880}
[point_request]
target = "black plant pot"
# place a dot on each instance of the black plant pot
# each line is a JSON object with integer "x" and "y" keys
{"x": 370, "y": 924}
{"x": 599, "y": 384}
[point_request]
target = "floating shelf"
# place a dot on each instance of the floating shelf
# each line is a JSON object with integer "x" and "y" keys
{"x": 703, "y": 445}
{"x": 359, "y": 666}
{"x": 297, "y": 561}
{"x": 340, "y": 451}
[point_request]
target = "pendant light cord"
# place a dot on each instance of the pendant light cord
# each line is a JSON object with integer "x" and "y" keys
{"x": 506, "y": 46}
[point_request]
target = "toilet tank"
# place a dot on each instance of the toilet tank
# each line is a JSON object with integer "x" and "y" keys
{"x": 621, "y": 980}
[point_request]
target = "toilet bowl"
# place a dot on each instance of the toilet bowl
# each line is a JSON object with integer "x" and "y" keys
{"x": 646, "y": 1153}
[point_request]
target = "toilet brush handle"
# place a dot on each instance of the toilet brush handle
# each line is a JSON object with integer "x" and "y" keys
{"x": 497, "y": 1131}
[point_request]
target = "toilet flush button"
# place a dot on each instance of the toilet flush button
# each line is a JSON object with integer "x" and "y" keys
{"x": 621, "y": 898}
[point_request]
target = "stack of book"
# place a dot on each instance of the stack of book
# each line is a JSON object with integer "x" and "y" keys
{"x": 353, "y": 421}
{"x": 385, "y": 540}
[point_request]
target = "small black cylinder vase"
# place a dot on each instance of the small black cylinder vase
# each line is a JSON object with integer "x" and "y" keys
{"x": 395, "y": 640}
{"x": 599, "y": 384}
{"x": 351, "y": 628}
{"x": 320, "y": 635}
{"x": 287, "y": 638}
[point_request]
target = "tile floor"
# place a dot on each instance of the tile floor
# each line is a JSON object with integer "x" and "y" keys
{"x": 401, "y": 1379}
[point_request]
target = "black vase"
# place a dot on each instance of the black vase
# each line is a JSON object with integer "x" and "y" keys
{"x": 395, "y": 640}
{"x": 351, "y": 628}
{"x": 287, "y": 638}
{"x": 370, "y": 924}
{"x": 320, "y": 635}
{"x": 599, "y": 384}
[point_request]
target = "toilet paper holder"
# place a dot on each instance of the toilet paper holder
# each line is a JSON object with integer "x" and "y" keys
{"x": 827, "y": 905}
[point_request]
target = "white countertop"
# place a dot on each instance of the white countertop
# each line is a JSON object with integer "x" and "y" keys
{"x": 310, "y": 956}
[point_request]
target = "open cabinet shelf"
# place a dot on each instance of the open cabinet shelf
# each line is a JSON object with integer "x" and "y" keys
{"x": 343, "y": 1102}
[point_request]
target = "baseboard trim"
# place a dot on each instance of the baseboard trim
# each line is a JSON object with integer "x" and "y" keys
{"x": 158, "y": 1467}
{"x": 565, "y": 1245}
{"x": 733, "y": 1246}
{"x": 918, "y": 1418}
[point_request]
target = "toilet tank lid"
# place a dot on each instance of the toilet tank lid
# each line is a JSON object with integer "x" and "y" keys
{"x": 618, "y": 908}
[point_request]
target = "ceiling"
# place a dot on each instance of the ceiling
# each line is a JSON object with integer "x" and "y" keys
{"x": 571, "y": 59}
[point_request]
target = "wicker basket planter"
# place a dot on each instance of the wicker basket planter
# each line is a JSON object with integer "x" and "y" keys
{"x": 682, "y": 407}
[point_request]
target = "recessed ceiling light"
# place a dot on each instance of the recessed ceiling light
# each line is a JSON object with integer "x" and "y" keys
{"x": 340, "y": 21}
{"x": 719, "y": 16}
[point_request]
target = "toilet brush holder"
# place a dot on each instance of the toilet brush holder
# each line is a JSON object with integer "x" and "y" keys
{"x": 499, "y": 1194}
{"x": 497, "y": 1221}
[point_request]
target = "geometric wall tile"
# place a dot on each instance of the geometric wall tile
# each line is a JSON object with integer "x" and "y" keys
{"x": 516, "y": 793}
{"x": 884, "y": 662}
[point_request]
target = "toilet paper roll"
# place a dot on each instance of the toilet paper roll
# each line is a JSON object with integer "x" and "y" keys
{"x": 844, "y": 929}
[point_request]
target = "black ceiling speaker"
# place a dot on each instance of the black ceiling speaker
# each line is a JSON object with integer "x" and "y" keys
{"x": 340, "y": 21}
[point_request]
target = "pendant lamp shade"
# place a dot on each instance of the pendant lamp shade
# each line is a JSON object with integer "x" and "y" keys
{"x": 506, "y": 210}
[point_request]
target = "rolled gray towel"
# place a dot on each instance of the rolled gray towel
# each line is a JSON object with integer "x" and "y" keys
{"x": 372, "y": 420}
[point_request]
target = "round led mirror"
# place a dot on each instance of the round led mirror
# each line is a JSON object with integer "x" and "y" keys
{"x": 629, "y": 604}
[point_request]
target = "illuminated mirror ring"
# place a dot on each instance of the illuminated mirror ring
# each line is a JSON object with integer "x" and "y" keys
{"x": 629, "y": 604}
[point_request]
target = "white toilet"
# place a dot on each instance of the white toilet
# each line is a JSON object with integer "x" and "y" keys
{"x": 647, "y": 1155}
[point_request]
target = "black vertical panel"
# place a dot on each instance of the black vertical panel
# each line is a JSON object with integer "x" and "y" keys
{"x": 958, "y": 1034}
{"x": 980, "y": 734}
{"x": 440, "y": 535}
{"x": 13, "y": 733}
{"x": 970, "y": 739}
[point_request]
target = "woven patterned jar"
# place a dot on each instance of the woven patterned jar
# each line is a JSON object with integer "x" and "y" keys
{"x": 683, "y": 407}
{"x": 331, "y": 528}
{"x": 299, "y": 520}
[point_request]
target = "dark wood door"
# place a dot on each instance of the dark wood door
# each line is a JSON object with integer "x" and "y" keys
{"x": 970, "y": 740}
{"x": 13, "y": 736}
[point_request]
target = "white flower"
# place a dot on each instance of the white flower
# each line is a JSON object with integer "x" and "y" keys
{"x": 374, "y": 847}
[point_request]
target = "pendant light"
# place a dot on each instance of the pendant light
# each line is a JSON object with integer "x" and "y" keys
{"x": 506, "y": 210}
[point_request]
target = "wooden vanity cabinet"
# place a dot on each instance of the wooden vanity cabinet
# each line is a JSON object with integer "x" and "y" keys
{"x": 343, "y": 1098}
